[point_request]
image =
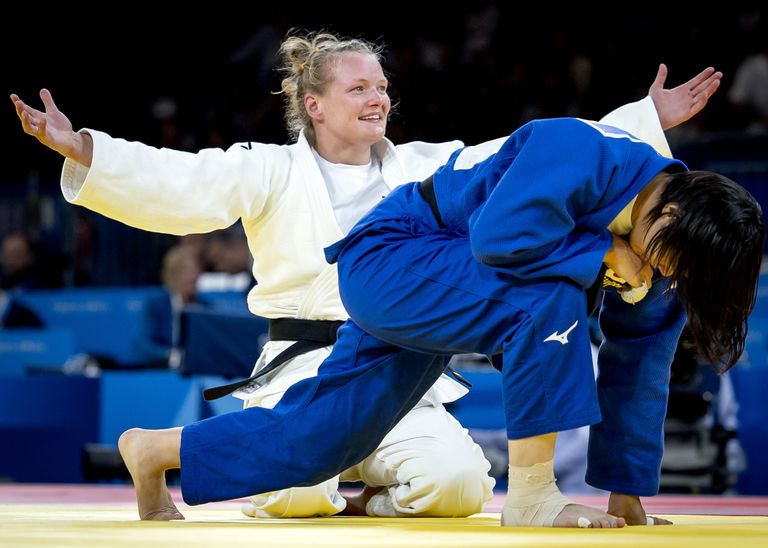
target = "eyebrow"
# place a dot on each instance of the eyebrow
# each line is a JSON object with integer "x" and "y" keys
{"x": 365, "y": 80}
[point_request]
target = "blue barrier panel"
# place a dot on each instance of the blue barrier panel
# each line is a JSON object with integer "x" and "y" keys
{"x": 225, "y": 301}
{"x": 106, "y": 322}
{"x": 21, "y": 349}
{"x": 225, "y": 344}
{"x": 483, "y": 406}
{"x": 145, "y": 399}
{"x": 156, "y": 399}
{"x": 45, "y": 421}
{"x": 750, "y": 379}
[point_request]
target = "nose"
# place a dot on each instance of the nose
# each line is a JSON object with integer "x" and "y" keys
{"x": 377, "y": 97}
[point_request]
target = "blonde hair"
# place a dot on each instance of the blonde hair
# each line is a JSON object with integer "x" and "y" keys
{"x": 306, "y": 64}
{"x": 174, "y": 260}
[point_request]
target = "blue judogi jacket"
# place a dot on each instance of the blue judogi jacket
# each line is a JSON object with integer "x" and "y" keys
{"x": 536, "y": 206}
{"x": 540, "y": 207}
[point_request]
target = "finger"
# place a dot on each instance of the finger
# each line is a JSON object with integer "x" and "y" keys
{"x": 699, "y": 78}
{"x": 705, "y": 84}
{"x": 26, "y": 123}
{"x": 643, "y": 275}
{"x": 34, "y": 126}
{"x": 23, "y": 108}
{"x": 18, "y": 105}
{"x": 661, "y": 77}
{"x": 47, "y": 98}
{"x": 41, "y": 128}
{"x": 700, "y": 101}
{"x": 646, "y": 275}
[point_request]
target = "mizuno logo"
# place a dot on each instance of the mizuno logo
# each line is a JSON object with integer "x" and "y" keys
{"x": 562, "y": 338}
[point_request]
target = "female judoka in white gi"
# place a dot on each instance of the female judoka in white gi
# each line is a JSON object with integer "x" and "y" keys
{"x": 294, "y": 195}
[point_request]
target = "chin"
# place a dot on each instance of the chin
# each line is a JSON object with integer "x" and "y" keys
{"x": 373, "y": 137}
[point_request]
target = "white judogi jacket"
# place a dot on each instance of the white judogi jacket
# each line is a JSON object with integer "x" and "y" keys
{"x": 279, "y": 193}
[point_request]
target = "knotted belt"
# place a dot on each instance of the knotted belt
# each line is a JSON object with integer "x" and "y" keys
{"x": 308, "y": 334}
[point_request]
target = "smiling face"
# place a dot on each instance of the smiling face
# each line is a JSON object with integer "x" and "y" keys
{"x": 351, "y": 114}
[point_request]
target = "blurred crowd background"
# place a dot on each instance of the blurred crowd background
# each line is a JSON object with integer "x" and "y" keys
{"x": 124, "y": 298}
{"x": 471, "y": 73}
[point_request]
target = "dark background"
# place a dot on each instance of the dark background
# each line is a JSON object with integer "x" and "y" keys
{"x": 473, "y": 74}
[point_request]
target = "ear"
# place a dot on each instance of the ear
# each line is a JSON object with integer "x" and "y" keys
{"x": 671, "y": 209}
{"x": 314, "y": 107}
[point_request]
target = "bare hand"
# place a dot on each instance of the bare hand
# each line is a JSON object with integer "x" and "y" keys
{"x": 53, "y": 129}
{"x": 679, "y": 104}
{"x": 627, "y": 265}
{"x": 630, "y": 508}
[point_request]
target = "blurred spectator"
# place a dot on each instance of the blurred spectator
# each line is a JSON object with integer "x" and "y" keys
{"x": 228, "y": 262}
{"x": 749, "y": 92}
{"x": 180, "y": 272}
{"x": 181, "y": 269}
{"x": 18, "y": 264}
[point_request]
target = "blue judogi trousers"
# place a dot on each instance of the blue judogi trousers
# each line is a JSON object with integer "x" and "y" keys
{"x": 526, "y": 232}
{"x": 419, "y": 296}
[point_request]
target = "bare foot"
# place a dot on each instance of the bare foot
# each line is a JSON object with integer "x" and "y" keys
{"x": 630, "y": 508}
{"x": 598, "y": 519}
{"x": 356, "y": 504}
{"x": 572, "y": 515}
{"x": 143, "y": 456}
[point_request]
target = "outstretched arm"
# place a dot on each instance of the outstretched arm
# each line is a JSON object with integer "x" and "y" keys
{"x": 679, "y": 104}
{"x": 53, "y": 129}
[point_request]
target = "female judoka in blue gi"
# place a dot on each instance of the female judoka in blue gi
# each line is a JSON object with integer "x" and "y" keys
{"x": 494, "y": 254}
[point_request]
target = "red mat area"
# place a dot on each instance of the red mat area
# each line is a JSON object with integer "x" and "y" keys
{"x": 14, "y": 493}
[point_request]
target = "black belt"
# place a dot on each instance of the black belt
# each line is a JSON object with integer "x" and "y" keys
{"x": 308, "y": 334}
{"x": 427, "y": 192}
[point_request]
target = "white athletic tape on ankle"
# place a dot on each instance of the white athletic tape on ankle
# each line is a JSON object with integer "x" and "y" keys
{"x": 533, "y": 498}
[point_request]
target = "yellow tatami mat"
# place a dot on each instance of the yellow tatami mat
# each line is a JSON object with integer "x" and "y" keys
{"x": 114, "y": 525}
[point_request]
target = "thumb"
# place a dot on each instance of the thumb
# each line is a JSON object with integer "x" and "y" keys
{"x": 47, "y": 98}
{"x": 661, "y": 77}
{"x": 646, "y": 276}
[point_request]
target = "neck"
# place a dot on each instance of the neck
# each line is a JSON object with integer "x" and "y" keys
{"x": 344, "y": 154}
{"x": 648, "y": 197}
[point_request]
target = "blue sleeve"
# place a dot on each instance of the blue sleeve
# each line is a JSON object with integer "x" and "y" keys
{"x": 625, "y": 449}
{"x": 530, "y": 224}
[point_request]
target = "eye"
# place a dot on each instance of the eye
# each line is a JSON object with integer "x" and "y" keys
{"x": 382, "y": 89}
{"x": 358, "y": 89}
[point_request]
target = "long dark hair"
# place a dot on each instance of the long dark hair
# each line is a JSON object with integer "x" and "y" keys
{"x": 714, "y": 246}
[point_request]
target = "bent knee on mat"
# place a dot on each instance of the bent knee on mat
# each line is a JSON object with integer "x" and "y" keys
{"x": 450, "y": 490}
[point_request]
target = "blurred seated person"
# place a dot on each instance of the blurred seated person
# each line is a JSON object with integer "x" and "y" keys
{"x": 749, "y": 93}
{"x": 228, "y": 262}
{"x": 180, "y": 271}
{"x": 18, "y": 264}
{"x": 13, "y": 314}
